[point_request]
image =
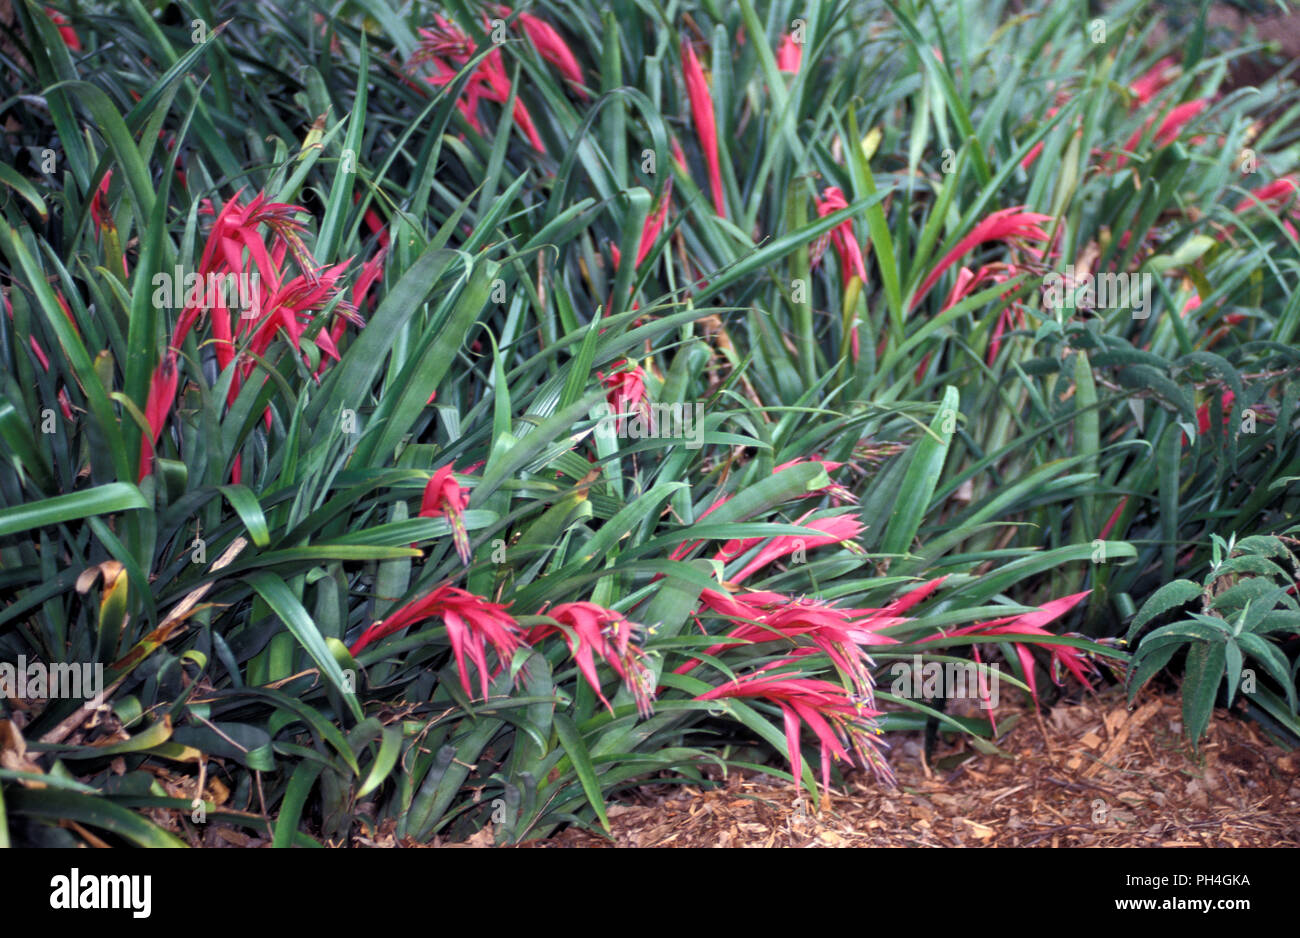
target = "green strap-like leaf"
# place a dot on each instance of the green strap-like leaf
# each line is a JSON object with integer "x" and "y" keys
{"x": 928, "y": 456}
{"x": 291, "y": 612}
{"x": 101, "y": 500}
{"x": 572, "y": 742}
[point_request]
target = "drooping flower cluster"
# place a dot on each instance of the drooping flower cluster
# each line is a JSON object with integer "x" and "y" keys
{"x": 1031, "y": 624}
{"x": 474, "y": 623}
{"x": 838, "y": 529}
{"x": 969, "y": 281}
{"x": 444, "y": 497}
{"x": 589, "y": 630}
{"x": 840, "y": 721}
{"x": 1009, "y": 225}
{"x": 837, "y": 493}
{"x": 448, "y": 49}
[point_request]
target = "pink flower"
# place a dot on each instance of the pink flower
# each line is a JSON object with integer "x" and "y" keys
{"x": 839, "y": 633}
{"x": 1009, "y": 225}
{"x": 625, "y": 392}
{"x": 706, "y": 128}
{"x": 789, "y": 55}
{"x": 445, "y": 497}
{"x": 1278, "y": 195}
{"x": 369, "y": 275}
{"x": 839, "y": 495}
{"x": 654, "y": 224}
{"x": 1203, "y": 412}
{"x": 838, "y": 720}
{"x": 66, "y": 32}
{"x": 836, "y": 492}
{"x": 65, "y": 404}
{"x": 162, "y": 393}
{"x": 771, "y": 616}
{"x": 99, "y": 210}
{"x": 472, "y": 623}
{"x": 678, "y": 156}
{"x": 591, "y": 630}
{"x": 1114, "y": 517}
{"x": 842, "y": 236}
{"x": 552, "y": 49}
{"x": 1149, "y": 83}
{"x": 1170, "y": 128}
{"x": 374, "y": 223}
{"x": 846, "y": 245}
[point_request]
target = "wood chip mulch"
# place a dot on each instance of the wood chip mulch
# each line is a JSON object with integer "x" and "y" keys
{"x": 1090, "y": 773}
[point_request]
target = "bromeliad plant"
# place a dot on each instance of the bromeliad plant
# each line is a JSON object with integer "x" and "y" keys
{"x": 421, "y": 544}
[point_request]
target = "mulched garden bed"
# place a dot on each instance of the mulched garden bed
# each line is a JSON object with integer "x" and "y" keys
{"x": 1091, "y": 773}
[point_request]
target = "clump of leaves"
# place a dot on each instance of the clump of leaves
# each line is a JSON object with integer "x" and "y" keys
{"x": 1245, "y": 605}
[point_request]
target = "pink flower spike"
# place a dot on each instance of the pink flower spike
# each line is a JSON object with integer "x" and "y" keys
{"x": 654, "y": 223}
{"x": 370, "y": 273}
{"x": 1032, "y": 624}
{"x": 840, "y": 633}
{"x": 966, "y": 284}
{"x": 489, "y": 81}
{"x": 162, "y": 395}
{"x": 706, "y": 128}
{"x": 1178, "y": 118}
{"x": 790, "y": 55}
{"x": 66, "y": 32}
{"x": 99, "y": 211}
{"x": 553, "y": 49}
{"x": 836, "y": 492}
{"x": 913, "y": 597}
{"x": 678, "y": 156}
{"x": 1170, "y": 128}
{"x": 839, "y": 495}
{"x": 1275, "y": 194}
{"x": 1149, "y": 83}
{"x": 842, "y": 236}
{"x": 1203, "y": 412}
{"x": 1114, "y": 517}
